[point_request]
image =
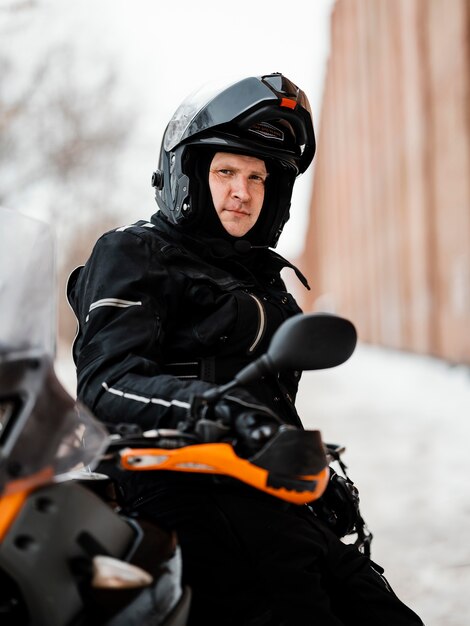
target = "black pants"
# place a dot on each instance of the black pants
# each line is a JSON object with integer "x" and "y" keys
{"x": 251, "y": 559}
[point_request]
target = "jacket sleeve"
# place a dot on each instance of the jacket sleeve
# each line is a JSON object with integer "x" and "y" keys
{"x": 123, "y": 301}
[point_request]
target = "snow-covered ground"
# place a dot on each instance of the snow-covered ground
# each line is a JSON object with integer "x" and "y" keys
{"x": 405, "y": 421}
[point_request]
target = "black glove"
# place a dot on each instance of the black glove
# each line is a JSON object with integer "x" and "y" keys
{"x": 237, "y": 415}
{"x": 254, "y": 430}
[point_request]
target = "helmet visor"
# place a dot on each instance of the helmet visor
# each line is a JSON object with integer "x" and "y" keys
{"x": 214, "y": 104}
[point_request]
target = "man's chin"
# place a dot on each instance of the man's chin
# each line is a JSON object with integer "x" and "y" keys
{"x": 236, "y": 227}
{"x": 236, "y": 230}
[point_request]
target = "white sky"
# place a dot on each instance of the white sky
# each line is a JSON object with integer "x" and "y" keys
{"x": 165, "y": 50}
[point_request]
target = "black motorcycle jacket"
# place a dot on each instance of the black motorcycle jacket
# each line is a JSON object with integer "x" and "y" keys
{"x": 164, "y": 315}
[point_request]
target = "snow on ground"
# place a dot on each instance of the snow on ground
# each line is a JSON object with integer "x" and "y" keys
{"x": 405, "y": 421}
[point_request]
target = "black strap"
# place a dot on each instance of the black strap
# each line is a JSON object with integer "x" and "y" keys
{"x": 198, "y": 369}
{"x": 287, "y": 263}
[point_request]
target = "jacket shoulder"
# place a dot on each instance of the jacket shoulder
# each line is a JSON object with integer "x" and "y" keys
{"x": 139, "y": 234}
{"x": 122, "y": 254}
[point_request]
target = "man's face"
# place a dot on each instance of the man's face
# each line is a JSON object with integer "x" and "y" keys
{"x": 237, "y": 187}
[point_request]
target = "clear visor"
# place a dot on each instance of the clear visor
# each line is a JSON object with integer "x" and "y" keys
{"x": 188, "y": 109}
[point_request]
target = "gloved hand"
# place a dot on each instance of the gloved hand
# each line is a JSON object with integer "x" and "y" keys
{"x": 254, "y": 430}
{"x": 236, "y": 415}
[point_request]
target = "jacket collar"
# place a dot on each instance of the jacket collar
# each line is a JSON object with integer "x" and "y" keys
{"x": 228, "y": 252}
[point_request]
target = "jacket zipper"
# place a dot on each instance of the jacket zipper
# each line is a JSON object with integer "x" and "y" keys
{"x": 261, "y": 324}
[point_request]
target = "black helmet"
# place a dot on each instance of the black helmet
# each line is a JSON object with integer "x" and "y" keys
{"x": 264, "y": 116}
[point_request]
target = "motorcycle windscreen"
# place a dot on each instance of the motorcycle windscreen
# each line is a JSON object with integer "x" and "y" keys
{"x": 43, "y": 431}
{"x": 27, "y": 285}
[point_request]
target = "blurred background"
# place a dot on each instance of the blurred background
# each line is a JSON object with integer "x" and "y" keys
{"x": 87, "y": 89}
{"x": 389, "y": 231}
{"x": 380, "y": 225}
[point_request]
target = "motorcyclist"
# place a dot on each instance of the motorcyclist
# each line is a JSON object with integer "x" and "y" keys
{"x": 169, "y": 308}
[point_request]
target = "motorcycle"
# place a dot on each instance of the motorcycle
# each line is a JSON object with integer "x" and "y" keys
{"x": 68, "y": 555}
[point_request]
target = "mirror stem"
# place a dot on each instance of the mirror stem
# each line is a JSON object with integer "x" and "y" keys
{"x": 250, "y": 373}
{"x": 216, "y": 393}
{"x": 254, "y": 371}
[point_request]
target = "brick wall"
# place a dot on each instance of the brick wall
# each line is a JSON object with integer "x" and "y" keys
{"x": 388, "y": 242}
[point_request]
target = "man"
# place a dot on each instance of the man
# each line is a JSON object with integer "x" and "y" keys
{"x": 171, "y": 307}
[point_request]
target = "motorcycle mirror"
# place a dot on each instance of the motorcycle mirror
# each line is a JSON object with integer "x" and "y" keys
{"x": 304, "y": 342}
{"x": 312, "y": 342}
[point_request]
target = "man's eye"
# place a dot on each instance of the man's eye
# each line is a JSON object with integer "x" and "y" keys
{"x": 257, "y": 179}
{"x": 225, "y": 172}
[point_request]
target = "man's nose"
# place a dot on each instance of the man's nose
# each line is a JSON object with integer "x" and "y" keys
{"x": 241, "y": 188}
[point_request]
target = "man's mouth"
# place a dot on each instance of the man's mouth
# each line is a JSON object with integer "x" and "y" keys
{"x": 238, "y": 211}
